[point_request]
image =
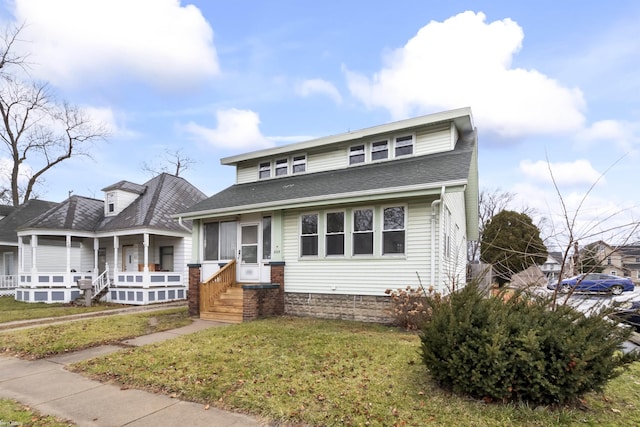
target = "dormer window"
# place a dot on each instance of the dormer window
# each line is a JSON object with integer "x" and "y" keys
{"x": 299, "y": 164}
{"x": 404, "y": 145}
{"x": 111, "y": 203}
{"x": 380, "y": 150}
{"x": 356, "y": 154}
{"x": 282, "y": 167}
{"x": 264, "y": 170}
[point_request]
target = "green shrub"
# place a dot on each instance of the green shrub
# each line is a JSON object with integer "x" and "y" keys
{"x": 519, "y": 349}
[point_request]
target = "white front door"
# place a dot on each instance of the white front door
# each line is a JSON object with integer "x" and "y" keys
{"x": 248, "y": 268}
{"x": 130, "y": 261}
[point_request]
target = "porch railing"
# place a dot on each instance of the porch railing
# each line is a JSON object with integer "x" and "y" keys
{"x": 101, "y": 282}
{"x": 8, "y": 282}
{"x": 217, "y": 284}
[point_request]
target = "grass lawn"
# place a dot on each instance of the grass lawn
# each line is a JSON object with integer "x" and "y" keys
{"x": 324, "y": 373}
{"x": 12, "y": 310}
{"x": 15, "y": 414}
{"x": 48, "y": 340}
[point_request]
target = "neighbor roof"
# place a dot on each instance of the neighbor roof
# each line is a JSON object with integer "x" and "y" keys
{"x": 163, "y": 196}
{"x": 419, "y": 172}
{"x": 19, "y": 216}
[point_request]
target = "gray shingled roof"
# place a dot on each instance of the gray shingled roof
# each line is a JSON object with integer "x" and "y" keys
{"x": 126, "y": 186}
{"x": 6, "y": 210}
{"x": 163, "y": 196}
{"x": 419, "y": 170}
{"x": 21, "y": 215}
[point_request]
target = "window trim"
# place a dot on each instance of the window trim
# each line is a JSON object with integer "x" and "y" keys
{"x": 264, "y": 167}
{"x": 355, "y": 154}
{"x": 316, "y": 234}
{"x": 383, "y": 230}
{"x": 277, "y": 168}
{"x": 355, "y": 232}
{"x": 297, "y": 160}
{"x": 373, "y": 149}
{"x": 403, "y": 138}
{"x": 328, "y": 234}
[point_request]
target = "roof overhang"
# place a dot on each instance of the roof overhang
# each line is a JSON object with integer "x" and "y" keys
{"x": 461, "y": 117}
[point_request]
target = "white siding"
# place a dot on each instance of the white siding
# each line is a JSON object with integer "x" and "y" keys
{"x": 434, "y": 141}
{"x": 454, "y": 265}
{"x": 247, "y": 173}
{"x": 334, "y": 159}
{"x": 361, "y": 275}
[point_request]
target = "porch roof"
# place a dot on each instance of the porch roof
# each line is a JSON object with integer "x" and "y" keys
{"x": 392, "y": 176}
{"x": 21, "y": 215}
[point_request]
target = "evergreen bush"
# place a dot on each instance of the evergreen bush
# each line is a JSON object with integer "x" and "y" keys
{"x": 519, "y": 349}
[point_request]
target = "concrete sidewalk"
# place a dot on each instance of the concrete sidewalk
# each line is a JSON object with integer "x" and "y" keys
{"x": 46, "y": 386}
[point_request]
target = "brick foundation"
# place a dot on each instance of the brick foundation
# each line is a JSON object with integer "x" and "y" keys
{"x": 260, "y": 301}
{"x": 364, "y": 308}
{"x": 194, "y": 290}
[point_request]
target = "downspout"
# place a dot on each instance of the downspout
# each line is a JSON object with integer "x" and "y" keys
{"x": 433, "y": 234}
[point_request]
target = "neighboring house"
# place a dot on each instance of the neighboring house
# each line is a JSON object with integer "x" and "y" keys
{"x": 621, "y": 260}
{"x": 128, "y": 245}
{"x": 552, "y": 267}
{"x": 15, "y": 217}
{"x": 6, "y": 210}
{"x": 324, "y": 227}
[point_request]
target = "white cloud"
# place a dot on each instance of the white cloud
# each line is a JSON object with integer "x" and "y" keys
{"x": 319, "y": 87}
{"x": 157, "y": 41}
{"x": 237, "y": 129}
{"x": 464, "y": 61}
{"x": 623, "y": 134}
{"x": 579, "y": 172}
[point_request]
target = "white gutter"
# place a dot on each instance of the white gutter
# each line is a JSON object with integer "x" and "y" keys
{"x": 433, "y": 236}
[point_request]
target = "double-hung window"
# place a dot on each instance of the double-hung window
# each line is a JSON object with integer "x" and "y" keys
{"x": 220, "y": 240}
{"x": 299, "y": 164}
{"x": 356, "y": 154}
{"x": 264, "y": 170}
{"x": 363, "y": 232}
{"x": 380, "y": 150}
{"x": 282, "y": 167}
{"x": 335, "y": 233}
{"x": 404, "y": 145}
{"x": 393, "y": 231}
{"x": 309, "y": 234}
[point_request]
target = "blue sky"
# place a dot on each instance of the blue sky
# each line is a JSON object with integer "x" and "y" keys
{"x": 552, "y": 85}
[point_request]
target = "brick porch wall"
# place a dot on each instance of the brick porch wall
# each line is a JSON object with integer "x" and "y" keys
{"x": 363, "y": 308}
{"x": 194, "y": 290}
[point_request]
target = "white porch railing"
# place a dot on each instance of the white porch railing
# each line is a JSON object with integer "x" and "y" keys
{"x": 101, "y": 282}
{"x": 8, "y": 282}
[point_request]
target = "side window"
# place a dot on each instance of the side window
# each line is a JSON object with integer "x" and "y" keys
{"x": 265, "y": 170}
{"x": 404, "y": 145}
{"x": 356, "y": 154}
{"x": 380, "y": 150}
{"x": 363, "y": 232}
{"x": 211, "y": 232}
{"x": 299, "y": 164}
{"x": 266, "y": 237}
{"x": 393, "y": 232}
{"x": 335, "y": 233}
{"x": 309, "y": 234}
{"x": 282, "y": 167}
{"x": 166, "y": 258}
{"x": 220, "y": 240}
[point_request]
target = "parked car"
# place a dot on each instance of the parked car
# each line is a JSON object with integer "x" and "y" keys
{"x": 627, "y": 312}
{"x": 594, "y": 282}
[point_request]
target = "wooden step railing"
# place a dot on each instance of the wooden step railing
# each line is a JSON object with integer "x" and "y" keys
{"x": 216, "y": 285}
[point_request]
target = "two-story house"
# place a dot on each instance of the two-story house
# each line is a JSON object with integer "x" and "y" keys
{"x": 324, "y": 227}
{"x": 128, "y": 245}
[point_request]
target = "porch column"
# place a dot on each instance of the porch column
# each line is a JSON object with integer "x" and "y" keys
{"x": 277, "y": 277}
{"x": 20, "y": 255}
{"x": 69, "y": 275}
{"x": 116, "y": 243}
{"x": 145, "y": 269}
{"x": 96, "y": 248}
{"x": 34, "y": 268}
{"x": 194, "y": 289}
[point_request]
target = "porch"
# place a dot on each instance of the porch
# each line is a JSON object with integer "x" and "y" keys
{"x": 8, "y": 284}
{"x": 134, "y": 288}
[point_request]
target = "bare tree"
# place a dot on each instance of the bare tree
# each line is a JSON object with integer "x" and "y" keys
{"x": 173, "y": 162}
{"x": 37, "y": 131}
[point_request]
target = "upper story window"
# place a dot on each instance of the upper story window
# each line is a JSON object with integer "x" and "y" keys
{"x": 111, "y": 203}
{"x": 282, "y": 167}
{"x": 380, "y": 150}
{"x": 264, "y": 170}
{"x": 404, "y": 145}
{"x": 299, "y": 163}
{"x": 356, "y": 154}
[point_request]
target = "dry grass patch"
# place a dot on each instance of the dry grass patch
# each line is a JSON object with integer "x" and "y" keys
{"x": 13, "y": 413}
{"x": 324, "y": 373}
{"x": 44, "y": 341}
{"x": 12, "y": 310}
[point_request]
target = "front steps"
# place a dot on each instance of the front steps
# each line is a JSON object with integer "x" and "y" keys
{"x": 227, "y": 307}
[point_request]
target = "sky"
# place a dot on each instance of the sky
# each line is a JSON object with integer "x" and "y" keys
{"x": 553, "y": 88}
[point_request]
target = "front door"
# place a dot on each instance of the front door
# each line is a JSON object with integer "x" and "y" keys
{"x": 248, "y": 268}
{"x": 130, "y": 261}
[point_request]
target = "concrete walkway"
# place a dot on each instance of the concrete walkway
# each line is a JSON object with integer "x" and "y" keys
{"x": 46, "y": 386}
